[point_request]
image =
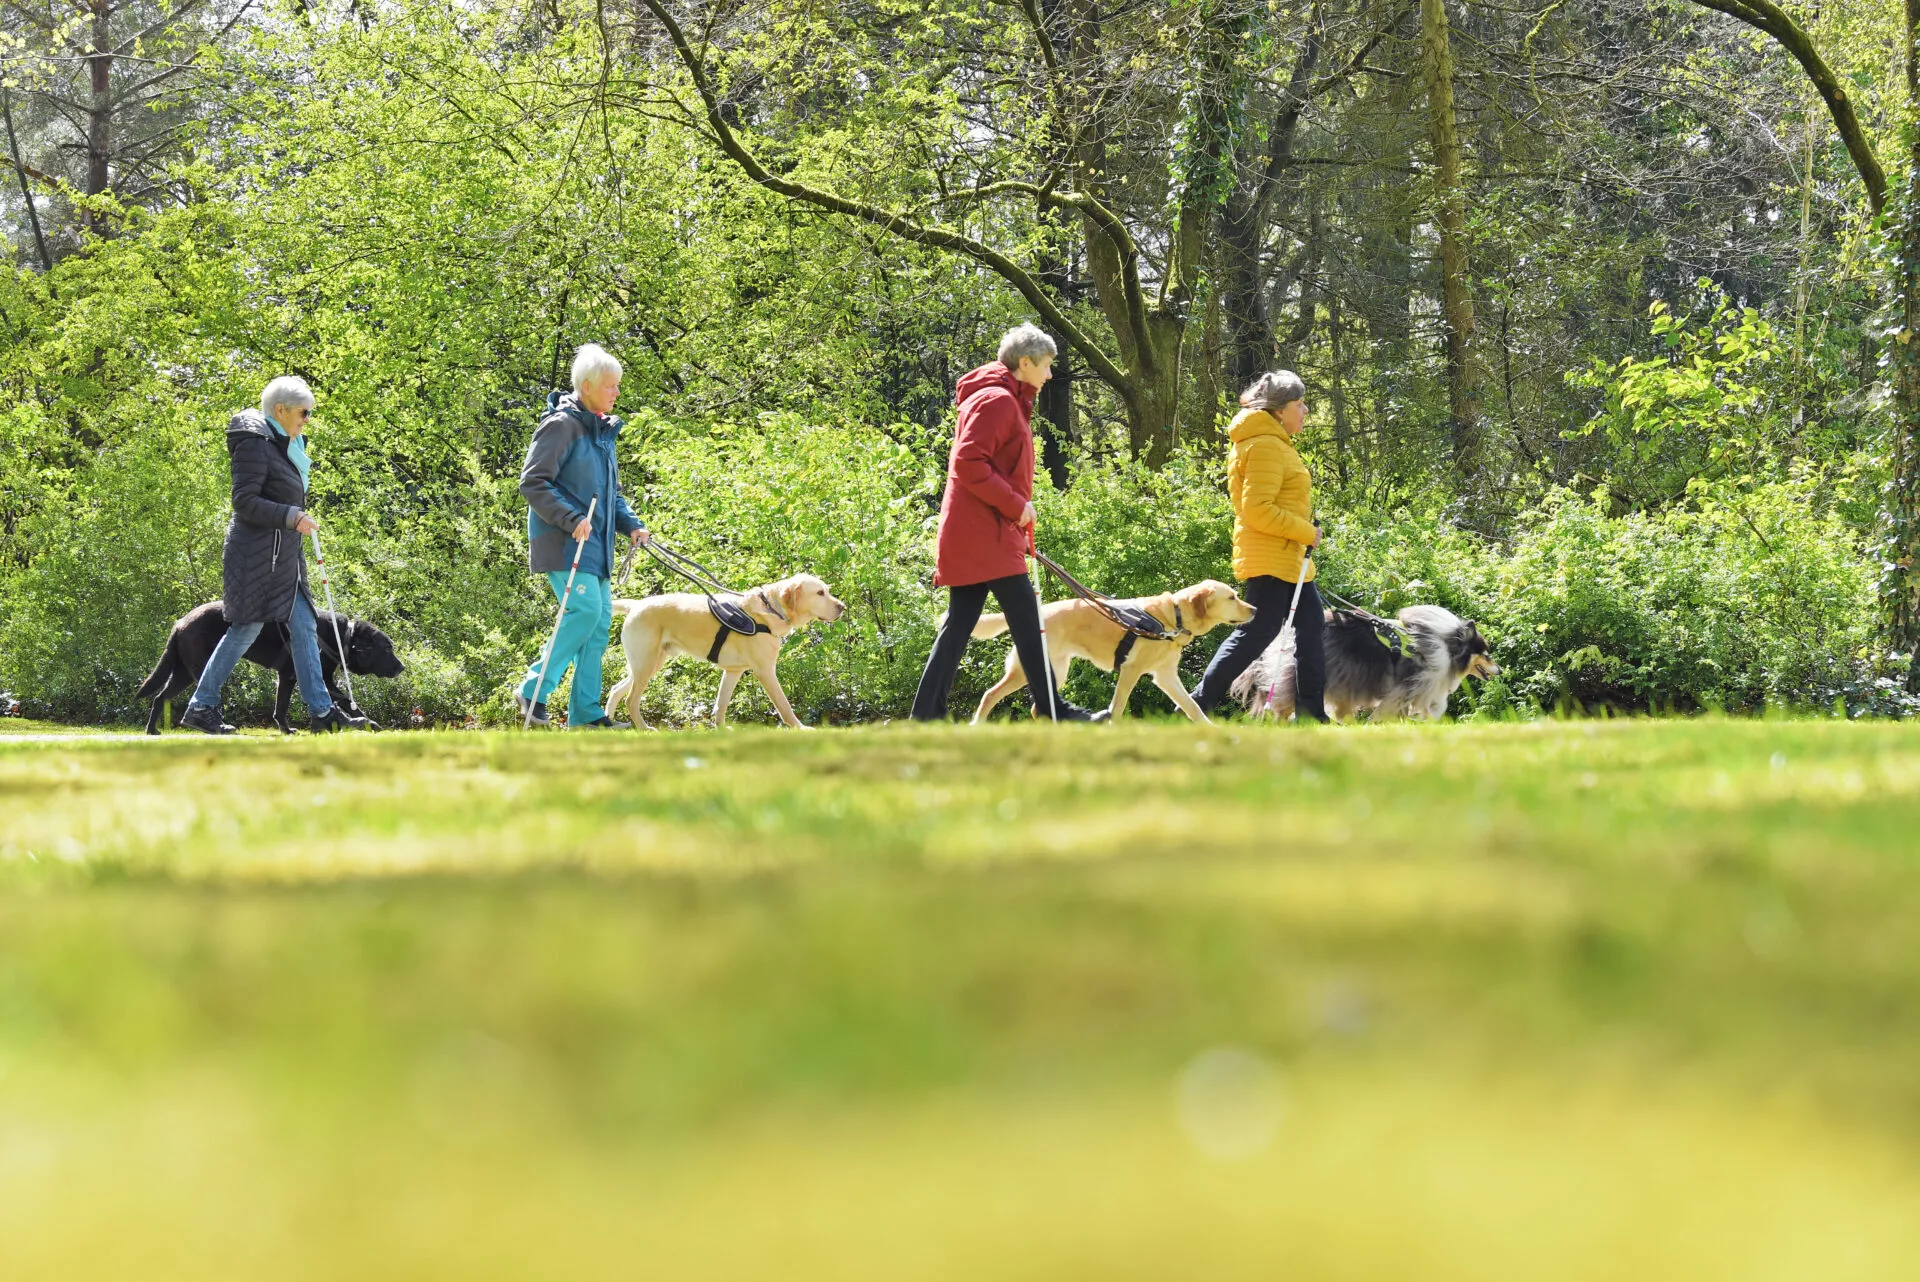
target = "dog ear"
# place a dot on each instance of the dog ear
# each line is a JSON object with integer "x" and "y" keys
{"x": 790, "y": 596}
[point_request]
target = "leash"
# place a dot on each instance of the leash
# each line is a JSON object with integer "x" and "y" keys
{"x": 1130, "y": 618}
{"x": 728, "y": 613}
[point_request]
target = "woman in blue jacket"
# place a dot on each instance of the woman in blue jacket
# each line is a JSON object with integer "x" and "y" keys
{"x": 571, "y": 463}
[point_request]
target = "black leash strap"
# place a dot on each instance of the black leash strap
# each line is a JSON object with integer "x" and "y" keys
{"x": 1134, "y": 620}
{"x": 727, "y": 613}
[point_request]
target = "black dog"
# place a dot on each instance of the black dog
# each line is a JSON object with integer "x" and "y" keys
{"x": 369, "y": 653}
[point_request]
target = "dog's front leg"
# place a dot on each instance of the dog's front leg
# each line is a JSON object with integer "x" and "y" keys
{"x": 771, "y": 684}
{"x": 1169, "y": 682}
{"x": 729, "y": 678}
{"x": 1123, "y": 682}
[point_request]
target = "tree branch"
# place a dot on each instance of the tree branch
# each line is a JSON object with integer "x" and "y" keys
{"x": 1765, "y": 15}
{"x": 896, "y": 223}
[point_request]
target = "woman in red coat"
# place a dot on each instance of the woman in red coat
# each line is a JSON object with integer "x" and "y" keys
{"x": 986, "y": 521}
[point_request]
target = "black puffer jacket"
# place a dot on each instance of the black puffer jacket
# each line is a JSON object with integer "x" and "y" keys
{"x": 264, "y": 565}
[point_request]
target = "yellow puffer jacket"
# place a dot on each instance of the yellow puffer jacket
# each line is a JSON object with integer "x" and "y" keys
{"x": 1272, "y": 499}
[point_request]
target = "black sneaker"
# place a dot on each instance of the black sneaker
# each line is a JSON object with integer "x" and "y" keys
{"x": 205, "y": 720}
{"x": 540, "y": 717}
{"x": 337, "y": 719}
{"x": 598, "y": 723}
{"x": 1070, "y": 712}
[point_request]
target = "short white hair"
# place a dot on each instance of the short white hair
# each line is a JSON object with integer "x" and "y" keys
{"x": 1029, "y": 341}
{"x": 591, "y": 363}
{"x": 288, "y": 389}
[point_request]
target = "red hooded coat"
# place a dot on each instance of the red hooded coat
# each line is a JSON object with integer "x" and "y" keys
{"x": 989, "y": 480}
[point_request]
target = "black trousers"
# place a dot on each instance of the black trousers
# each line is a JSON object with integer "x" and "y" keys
{"x": 1271, "y": 598}
{"x": 1014, "y": 595}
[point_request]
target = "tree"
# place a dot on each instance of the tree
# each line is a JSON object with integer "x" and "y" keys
{"x": 112, "y": 96}
{"x": 1450, "y": 218}
{"x": 1900, "y": 582}
{"x": 1104, "y": 87}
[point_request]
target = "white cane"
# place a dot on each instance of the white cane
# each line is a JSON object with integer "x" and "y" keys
{"x": 1046, "y": 656}
{"x": 341, "y": 650}
{"x": 546, "y": 656}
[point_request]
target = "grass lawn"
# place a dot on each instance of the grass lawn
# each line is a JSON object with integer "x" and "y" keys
{"x": 1634, "y": 1000}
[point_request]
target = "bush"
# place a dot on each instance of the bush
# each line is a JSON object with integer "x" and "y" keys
{"x": 1738, "y": 601}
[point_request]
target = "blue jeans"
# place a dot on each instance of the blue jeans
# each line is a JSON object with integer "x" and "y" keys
{"x": 581, "y": 642}
{"x": 303, "y": 631}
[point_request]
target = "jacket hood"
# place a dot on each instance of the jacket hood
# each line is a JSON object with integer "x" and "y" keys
{"x": 568, "y": 402}
{"x": 1248, "y": 424}
{"x": 250, "y": 423}
{"x": 991, "y": 375}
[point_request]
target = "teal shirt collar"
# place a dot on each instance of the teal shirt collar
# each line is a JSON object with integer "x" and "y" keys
{"x": 296, "y": 450}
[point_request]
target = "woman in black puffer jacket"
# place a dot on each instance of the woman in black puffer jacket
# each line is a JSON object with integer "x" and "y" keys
{"x": 264, "y": 568}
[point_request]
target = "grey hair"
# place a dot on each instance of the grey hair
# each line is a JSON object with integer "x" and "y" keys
{"x": 288, "y": 389}
{"x": 1274, "y": 389}
{"x": 1029, "y": 341}
{"x": 593, "y": 362}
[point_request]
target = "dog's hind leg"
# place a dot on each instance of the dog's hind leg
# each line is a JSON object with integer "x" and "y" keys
{"x": 729, "y": 678}
{"x": 1169, "y": 682}
{"x": 1014, "y": 679}
{"x": 639, "y": 673}
{"x": 770, "y": 682}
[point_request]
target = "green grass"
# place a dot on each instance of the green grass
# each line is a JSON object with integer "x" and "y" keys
{"x": 1625, "y": 1000}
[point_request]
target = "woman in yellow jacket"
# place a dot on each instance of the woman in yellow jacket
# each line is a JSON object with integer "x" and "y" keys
{"x": 1273, "y": 527}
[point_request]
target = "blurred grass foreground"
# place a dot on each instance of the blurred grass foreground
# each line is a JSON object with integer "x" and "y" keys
{"x": 1562, "y": 1001}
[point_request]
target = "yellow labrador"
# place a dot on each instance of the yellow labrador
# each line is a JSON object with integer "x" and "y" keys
{"x": 676, "y": 623}
{"x": 1076, "y": 630}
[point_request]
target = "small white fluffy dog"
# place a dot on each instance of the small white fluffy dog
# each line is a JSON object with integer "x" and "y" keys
{"x": 676, "y": 623}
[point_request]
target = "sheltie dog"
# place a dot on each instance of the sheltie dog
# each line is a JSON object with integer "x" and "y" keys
{"x": 1404, "y": 669}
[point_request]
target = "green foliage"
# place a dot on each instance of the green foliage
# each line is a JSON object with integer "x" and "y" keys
{"x": 1740, "y": 600}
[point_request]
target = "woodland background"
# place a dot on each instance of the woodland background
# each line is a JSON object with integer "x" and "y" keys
{"x": 1604, "y": 308}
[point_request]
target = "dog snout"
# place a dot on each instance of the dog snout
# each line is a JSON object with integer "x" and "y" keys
{"x": 839, "y": 606}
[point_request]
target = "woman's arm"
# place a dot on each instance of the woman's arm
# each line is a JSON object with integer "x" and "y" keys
{"x": 251, "y": 460}
{"x": 979, "y": 432}
{"x": 1260, "y": 507}
{"x": 538, "y": 474}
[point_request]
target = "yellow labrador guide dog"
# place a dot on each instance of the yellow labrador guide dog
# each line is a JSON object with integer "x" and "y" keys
{"x": 678, "y": 623}
{"x": 1077, "y": 629}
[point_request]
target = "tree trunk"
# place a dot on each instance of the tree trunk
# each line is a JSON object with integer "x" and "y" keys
{"x": 26, "y": 188}
{"x": 1450, "y": 216}
{"x": 99, "y": 111}
{"x": 1900, "y": 583}
{"x": 1342, "y": 427}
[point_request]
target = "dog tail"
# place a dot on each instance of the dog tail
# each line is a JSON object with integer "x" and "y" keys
{"x": 163, "y": 671}
{"x": 622, "y": 607}
{"x": 1267, "y": 684}
{"x": 990, "y": 625}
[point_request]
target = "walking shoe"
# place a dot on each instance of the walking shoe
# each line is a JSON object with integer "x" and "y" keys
{"x": 540, "y": 717}
{"x": 337, "y": 719}
{"x": 598, "y": 723}
{"x": 1070, "y": 712}
{"x": 205, "y": 720}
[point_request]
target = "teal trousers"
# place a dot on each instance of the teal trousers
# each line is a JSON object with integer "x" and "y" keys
{"x": 581, "y": 643}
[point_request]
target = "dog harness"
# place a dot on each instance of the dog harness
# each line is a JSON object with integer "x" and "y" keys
{"x": 727, "y": 626}
{"x": 1125, "y": 648}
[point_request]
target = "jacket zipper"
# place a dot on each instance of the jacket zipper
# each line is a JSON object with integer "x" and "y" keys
{"x": 275, "y": 567}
